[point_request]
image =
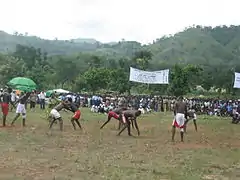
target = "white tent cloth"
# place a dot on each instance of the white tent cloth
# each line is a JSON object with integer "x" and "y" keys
{"x": 61, "y": 91}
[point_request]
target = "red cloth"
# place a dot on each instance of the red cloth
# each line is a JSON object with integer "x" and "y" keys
{"x": 176, "y": 124}
{"x": 5, "y": 108}
{"x": 77, "y": 114}
{"x": 113, "y": 114}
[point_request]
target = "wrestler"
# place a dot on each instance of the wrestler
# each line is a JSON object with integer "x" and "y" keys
{"x": 55, "y": 115}
{"x": 21, "y": 108}
{"x": 191, "y": 115}
{"x": 180, "y": 112}
{"x": 77, "y": 113}
{"x": 126, "y": 117}
{"x": 115, "y": 113}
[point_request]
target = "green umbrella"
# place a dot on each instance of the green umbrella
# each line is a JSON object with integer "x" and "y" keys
{"x": 22, "y": 82}
{"x": 24, "y": 88}
{"x": 49, "y": 93}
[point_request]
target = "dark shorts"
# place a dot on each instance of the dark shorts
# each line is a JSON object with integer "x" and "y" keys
{"x": 32, "y": 104}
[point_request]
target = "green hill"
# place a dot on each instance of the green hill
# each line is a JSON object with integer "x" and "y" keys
{"x": 84, "y": 40}
{"x": 53, "y": 47}
{"x": 198, "y": 45}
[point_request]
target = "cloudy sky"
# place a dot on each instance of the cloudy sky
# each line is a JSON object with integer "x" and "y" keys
{"x": 112, "y": 20}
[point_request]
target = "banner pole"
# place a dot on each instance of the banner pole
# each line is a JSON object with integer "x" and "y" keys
{"x": 233, "y": 76}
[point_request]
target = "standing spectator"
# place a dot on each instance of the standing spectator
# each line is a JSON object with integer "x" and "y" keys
{"x": 13, "y": 100}
{"x": 6, "y": 99}
{"x": 89, "y": 100}
{"x": 42, "y": 100}
{"x": 78, "y": 100}
{"x": 33, "y": 99}
{"x": 162, "y": 104}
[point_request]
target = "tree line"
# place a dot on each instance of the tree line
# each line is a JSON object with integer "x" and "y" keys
{"x": 87, "y": 72}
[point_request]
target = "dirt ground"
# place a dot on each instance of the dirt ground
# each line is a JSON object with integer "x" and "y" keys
{"x": 34, "y": 153}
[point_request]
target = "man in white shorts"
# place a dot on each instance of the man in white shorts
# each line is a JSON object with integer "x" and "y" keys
{"x": 21, "y": 108}
{"x": 55, "y": 115}
{"x": 180, "y": 110}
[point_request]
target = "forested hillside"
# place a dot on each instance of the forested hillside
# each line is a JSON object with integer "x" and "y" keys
{"x": 208, "y": 56}
{"x": 53, "y": 47}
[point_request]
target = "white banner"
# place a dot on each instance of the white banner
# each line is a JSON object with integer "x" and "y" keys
{"x": 148, "y": 77}
{"x": 237, "y": 80}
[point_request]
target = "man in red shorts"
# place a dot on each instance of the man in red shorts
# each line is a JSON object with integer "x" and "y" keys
{"x": 5, "y": 100}
{"x": 77, "y": 113}
{"x": 115, "y": 113}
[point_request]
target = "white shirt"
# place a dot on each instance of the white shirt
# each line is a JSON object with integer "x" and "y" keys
{"x": 13, "y": 97}
{"x": 42, "y": 95}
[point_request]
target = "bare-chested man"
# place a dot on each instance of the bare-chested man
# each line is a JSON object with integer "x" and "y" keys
{"x": 5, "y": 100}
{"x": 55, "y": 115}
{"x": 115, "y": 113}
{"x": 21, "y": 108}
{"x": 126, "y": 117}
{"x": 77, "y": 113}
{"x": 191, "y": 115}
{"x": 180, "y": 112}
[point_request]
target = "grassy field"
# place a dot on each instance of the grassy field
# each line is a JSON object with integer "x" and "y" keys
{"x": 33, "y": 153}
